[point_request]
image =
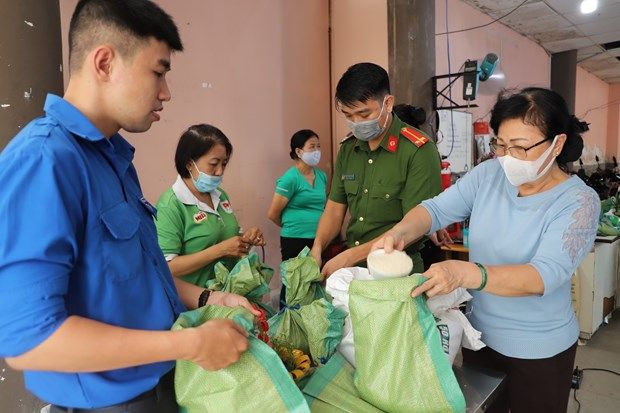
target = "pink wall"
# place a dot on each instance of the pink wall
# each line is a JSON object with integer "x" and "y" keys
{"x": 523, "y": 61}
{"x": 359, "y": 34}
{"x": 259, "y": 70}
{"x": 592, "y": 95}
{"x": 613, "y": 122}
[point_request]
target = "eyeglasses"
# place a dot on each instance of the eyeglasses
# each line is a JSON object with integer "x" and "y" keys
{"x": 518, "y": 152}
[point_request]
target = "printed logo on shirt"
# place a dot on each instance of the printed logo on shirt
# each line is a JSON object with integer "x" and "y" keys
{"x": 199, "y": 217}
{"x": 226, "y": 207}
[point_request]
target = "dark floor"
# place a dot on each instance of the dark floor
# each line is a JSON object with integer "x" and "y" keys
{"x": 600, "y": 391}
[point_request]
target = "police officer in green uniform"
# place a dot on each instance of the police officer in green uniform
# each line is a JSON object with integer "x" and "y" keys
{"x": 196, "y": 226}
{"x": 383, "y": 169}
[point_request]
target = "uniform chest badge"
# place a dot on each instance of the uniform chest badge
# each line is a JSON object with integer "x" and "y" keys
{"x": 226, "y": 207}
{"x": 392, "y": 143}
{"x": 200, "y": 216}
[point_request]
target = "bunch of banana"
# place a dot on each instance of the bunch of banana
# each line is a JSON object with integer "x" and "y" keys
{"x": 302, "y": 364}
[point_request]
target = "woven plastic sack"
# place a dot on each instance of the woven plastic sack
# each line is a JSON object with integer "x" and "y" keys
{"x": 609, "y": 222}
{"x": 454, "y": 328}
{"x": 258, "y": 382}
{"x": 302, "y": 278}
{"x": 308, "y": 321}
{"x": 249, "y": 278}
{"x": 337, "y": 286}
{"x": 400, "y": 364}
{"x": 331, "y": 389}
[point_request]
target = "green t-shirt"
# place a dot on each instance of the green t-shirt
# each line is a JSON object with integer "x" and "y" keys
{"x": 306, "y": 203}
{"x": 184, "y": 229}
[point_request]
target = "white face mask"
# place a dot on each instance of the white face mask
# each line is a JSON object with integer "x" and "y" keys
{"x": 521, "y": 172}
{"x": 311, "y": 158}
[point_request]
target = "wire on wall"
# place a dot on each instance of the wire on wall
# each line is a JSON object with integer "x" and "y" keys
{"x": 450, "y": 86}
{"x": 482, "y": 25}
{"x": 610, "y": 103}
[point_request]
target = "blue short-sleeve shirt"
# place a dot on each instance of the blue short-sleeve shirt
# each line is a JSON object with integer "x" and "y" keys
{"x": 77, "y": 238}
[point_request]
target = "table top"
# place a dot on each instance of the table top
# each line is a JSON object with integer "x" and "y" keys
{"x": 479, "y": 386}
{"x": 455, "y": 248}
{"x": 606, "y": 238}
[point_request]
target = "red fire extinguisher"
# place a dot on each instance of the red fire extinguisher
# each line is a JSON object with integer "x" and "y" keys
{"x": 446, "y": 175}
{"x": 482, "y": 138}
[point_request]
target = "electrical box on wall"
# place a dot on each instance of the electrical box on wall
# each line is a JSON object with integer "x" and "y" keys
{"x": 470, "y": 80}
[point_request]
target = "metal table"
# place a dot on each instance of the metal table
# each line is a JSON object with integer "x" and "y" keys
{"x": 479, "y": 386}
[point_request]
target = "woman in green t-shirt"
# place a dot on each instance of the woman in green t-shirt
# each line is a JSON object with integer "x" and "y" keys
{"x": 196, "y": 226}
{"x": 300, "y": 196}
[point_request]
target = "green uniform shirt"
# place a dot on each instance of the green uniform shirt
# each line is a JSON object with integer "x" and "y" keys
{"x": 379, "y": 187}
{"x": 300, "y": 217}
{"x": 184, "y": 228}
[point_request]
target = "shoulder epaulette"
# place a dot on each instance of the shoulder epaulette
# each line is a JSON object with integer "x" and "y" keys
{"x": 346, "y": 138}
{"x": 415, "y": 136}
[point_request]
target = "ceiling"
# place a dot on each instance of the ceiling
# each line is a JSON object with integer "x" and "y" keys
{"x": 558, "y": 26}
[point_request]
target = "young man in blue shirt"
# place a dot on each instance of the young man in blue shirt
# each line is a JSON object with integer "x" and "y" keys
{"x": 86, "y": 297}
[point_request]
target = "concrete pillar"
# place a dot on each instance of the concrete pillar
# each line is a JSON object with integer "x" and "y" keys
{"x": 30, "y": 64}
{"x": 564, "y": 76}
{"x": 411, "y": 48}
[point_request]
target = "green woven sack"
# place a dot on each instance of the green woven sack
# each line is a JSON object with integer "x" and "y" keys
{"x": 400, "y": 364}
{"x": 315, "y": 329}
{"x": 308, "y": 321}
{"x": 609, "y": 221}
{"x": 302, "y": 278}
{"x": 331, "y": 389}
{"x": 258, "y": 382}
{"x": 249, "y": 278}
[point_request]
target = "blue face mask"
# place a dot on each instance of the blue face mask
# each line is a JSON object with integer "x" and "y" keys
{"x": 205, "y": 183}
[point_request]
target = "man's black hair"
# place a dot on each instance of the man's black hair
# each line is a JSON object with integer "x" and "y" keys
{"x": 120, "y": 22}
{"x": 411, "y": 115}
{"x": 361, "y": 82}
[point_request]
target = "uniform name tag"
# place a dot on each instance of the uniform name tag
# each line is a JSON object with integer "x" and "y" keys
{"x": 199, "y": 217}
{"x": 348, "y": 177}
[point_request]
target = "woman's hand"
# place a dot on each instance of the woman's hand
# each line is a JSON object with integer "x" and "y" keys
{"x": 254, "y": 236}
{"x": 441, "y": 237}
{"x": 442, "y": 278}
{"x": 234, "y": 247}
{"x": 231, "y": 300}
